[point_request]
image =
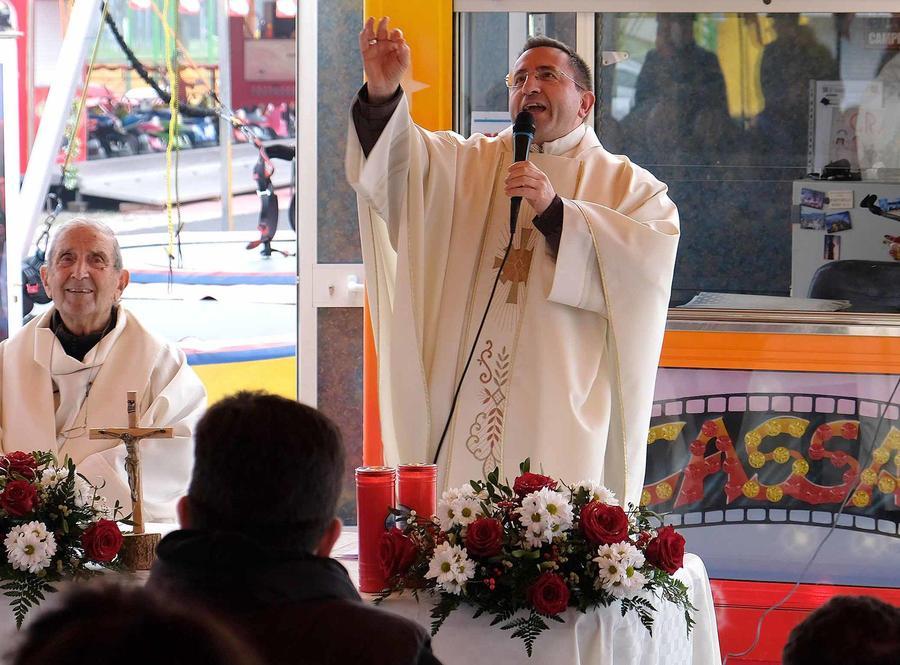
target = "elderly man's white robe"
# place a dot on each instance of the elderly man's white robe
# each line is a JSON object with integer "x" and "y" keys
{"x": 49, "y": 400}
{"x": 564, "y": 370}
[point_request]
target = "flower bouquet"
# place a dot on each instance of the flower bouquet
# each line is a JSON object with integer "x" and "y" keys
{"x": 53, "y": 524}
{"x": 540, "y": 547}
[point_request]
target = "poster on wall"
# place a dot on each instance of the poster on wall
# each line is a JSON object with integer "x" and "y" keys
{"x": 755, "y": 467}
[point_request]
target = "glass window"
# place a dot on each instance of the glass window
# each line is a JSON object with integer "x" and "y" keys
{"x": 776, "y": 134}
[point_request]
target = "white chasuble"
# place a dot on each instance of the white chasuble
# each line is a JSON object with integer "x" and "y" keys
{"x": 49, "y": 401}
{"x": 563, "y": 371}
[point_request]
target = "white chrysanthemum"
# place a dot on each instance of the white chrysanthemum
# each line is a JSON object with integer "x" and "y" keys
{"x": 618, "y": 569}
{"x": 631, "y": 584}
{"x": 609, "y": 573}
{"x": 450, "y": 567}
{"x": 467, "y": 510}
{"x": 558, "y": 508}
{"x": 51, "y": 477}
{"x": 84, "y": 492}
{"x": 453, "y": 503}
{"x": 104, "y": 511}
{"x": 536, "y": 535}
{"x": 544, "y": 515}
{"x": 628, "y": 554}
{"x": 597, "y": 492}
{"x": 30, "y": 547}
{"x": 535, "y": 520}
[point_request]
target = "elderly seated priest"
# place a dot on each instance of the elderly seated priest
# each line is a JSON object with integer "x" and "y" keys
{"x": 69, "y": 370}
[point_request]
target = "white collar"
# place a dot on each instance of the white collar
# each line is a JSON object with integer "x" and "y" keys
{"x": 47, "y": 346}
{"x": 564, "y": 144}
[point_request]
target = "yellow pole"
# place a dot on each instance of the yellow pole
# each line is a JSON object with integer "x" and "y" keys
{"x": 428, "y": 28}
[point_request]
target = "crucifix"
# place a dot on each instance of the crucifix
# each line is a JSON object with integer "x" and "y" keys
{"x": 131, "y": 436}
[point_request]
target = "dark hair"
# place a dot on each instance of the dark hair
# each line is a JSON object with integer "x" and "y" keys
{"x": 266, "y": 464}
{"x": 847, "y": 630}
{"x": 579, "y": 66}
{"x": 108, "y": 625}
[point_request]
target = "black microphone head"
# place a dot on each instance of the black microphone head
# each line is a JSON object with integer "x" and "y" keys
{"x": 524, "y": 124}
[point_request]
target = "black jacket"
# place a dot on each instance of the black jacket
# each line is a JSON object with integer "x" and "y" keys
{"x": 293, "y": 607}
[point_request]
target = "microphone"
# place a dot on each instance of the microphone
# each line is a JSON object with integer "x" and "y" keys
{"x": 523, "y": 135}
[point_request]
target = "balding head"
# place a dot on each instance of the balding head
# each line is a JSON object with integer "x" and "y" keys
{"x": 99, "y": 227}
{"x": 84, "y": 275}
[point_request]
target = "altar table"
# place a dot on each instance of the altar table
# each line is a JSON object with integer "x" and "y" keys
{"x": 602, "y": 636}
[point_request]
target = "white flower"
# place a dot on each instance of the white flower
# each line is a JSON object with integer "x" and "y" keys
{"x": 559, "y": 509}
{"x": 450, "y": 567}
{"x": 597, "y": 492}
{"x": 84, "y": 491}
{"x": 467, "y": 510}
{"x": 459, "y": 506}
{"x": 618, "y": 569}
{"x": 30, "y": 547}
{"x": 535, "y": 520}
{"x": 544, "y": 515}
{"x": 537, "y": 534}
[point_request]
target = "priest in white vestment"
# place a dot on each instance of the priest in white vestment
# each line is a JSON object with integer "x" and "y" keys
{"x": 564, "y": 369}
{"x": 69, "y": 370}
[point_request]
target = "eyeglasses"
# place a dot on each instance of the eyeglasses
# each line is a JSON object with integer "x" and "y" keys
{"x": 543, "y": 74}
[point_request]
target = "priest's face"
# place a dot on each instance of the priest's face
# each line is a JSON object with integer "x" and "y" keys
{"x": 549, "y": 92}
{"x": 82, "y": 278}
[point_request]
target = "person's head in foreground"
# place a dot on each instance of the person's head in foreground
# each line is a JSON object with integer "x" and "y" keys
{"x": 110, "y": 625}
{"x": 264, "y": 464}
{"x": 553, "y": 83}
{"x": 84, "y": 275}
{"x": 847, "y": 630}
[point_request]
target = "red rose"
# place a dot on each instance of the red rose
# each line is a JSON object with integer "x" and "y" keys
{"x": 484, "y": 537}
{"x": 102, "y": 541}
{"x": 604, "y": 524}
{"x": 666, "y": 551}
{"x": 532, "y": 482}
{"x": 396, "y": 552}
{"x": 549, "y": 594}
{"x": 17, "y": 462}
{"x": 19, "y": 498}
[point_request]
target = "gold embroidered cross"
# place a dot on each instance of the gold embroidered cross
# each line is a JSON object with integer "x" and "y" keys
{"x": 515, "y": 272}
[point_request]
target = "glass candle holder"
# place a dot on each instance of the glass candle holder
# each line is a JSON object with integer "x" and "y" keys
{"x": 374, "y": 497}
{"x": 417, "y": 488}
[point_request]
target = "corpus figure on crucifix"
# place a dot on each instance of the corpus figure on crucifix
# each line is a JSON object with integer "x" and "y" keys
{"x": 131, "y": 436}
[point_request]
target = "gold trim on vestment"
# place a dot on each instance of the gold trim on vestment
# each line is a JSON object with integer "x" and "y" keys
{"x": 462, "y": 351}
{"x": 610, "y": 331}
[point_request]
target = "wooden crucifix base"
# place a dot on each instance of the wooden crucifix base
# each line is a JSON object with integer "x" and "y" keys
{"x": 139, "y": 550}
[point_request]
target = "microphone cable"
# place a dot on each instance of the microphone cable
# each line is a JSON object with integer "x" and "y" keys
{"x": 522, "y": 136}
{"x": 487, "y": 308}
{"x": 818, "y": 549}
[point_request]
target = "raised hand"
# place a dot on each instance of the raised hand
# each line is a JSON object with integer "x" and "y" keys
{"x": 385, "y": 57}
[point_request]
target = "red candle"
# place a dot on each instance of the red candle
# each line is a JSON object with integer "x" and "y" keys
{"x": 417, "y": 488}
{"x": 374, "y": 496}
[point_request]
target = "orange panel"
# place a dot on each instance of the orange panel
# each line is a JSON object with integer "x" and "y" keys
{"x": 428, "y": 28}
{"x": 784, "y": 352}
{"x": 739, "y": 606}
